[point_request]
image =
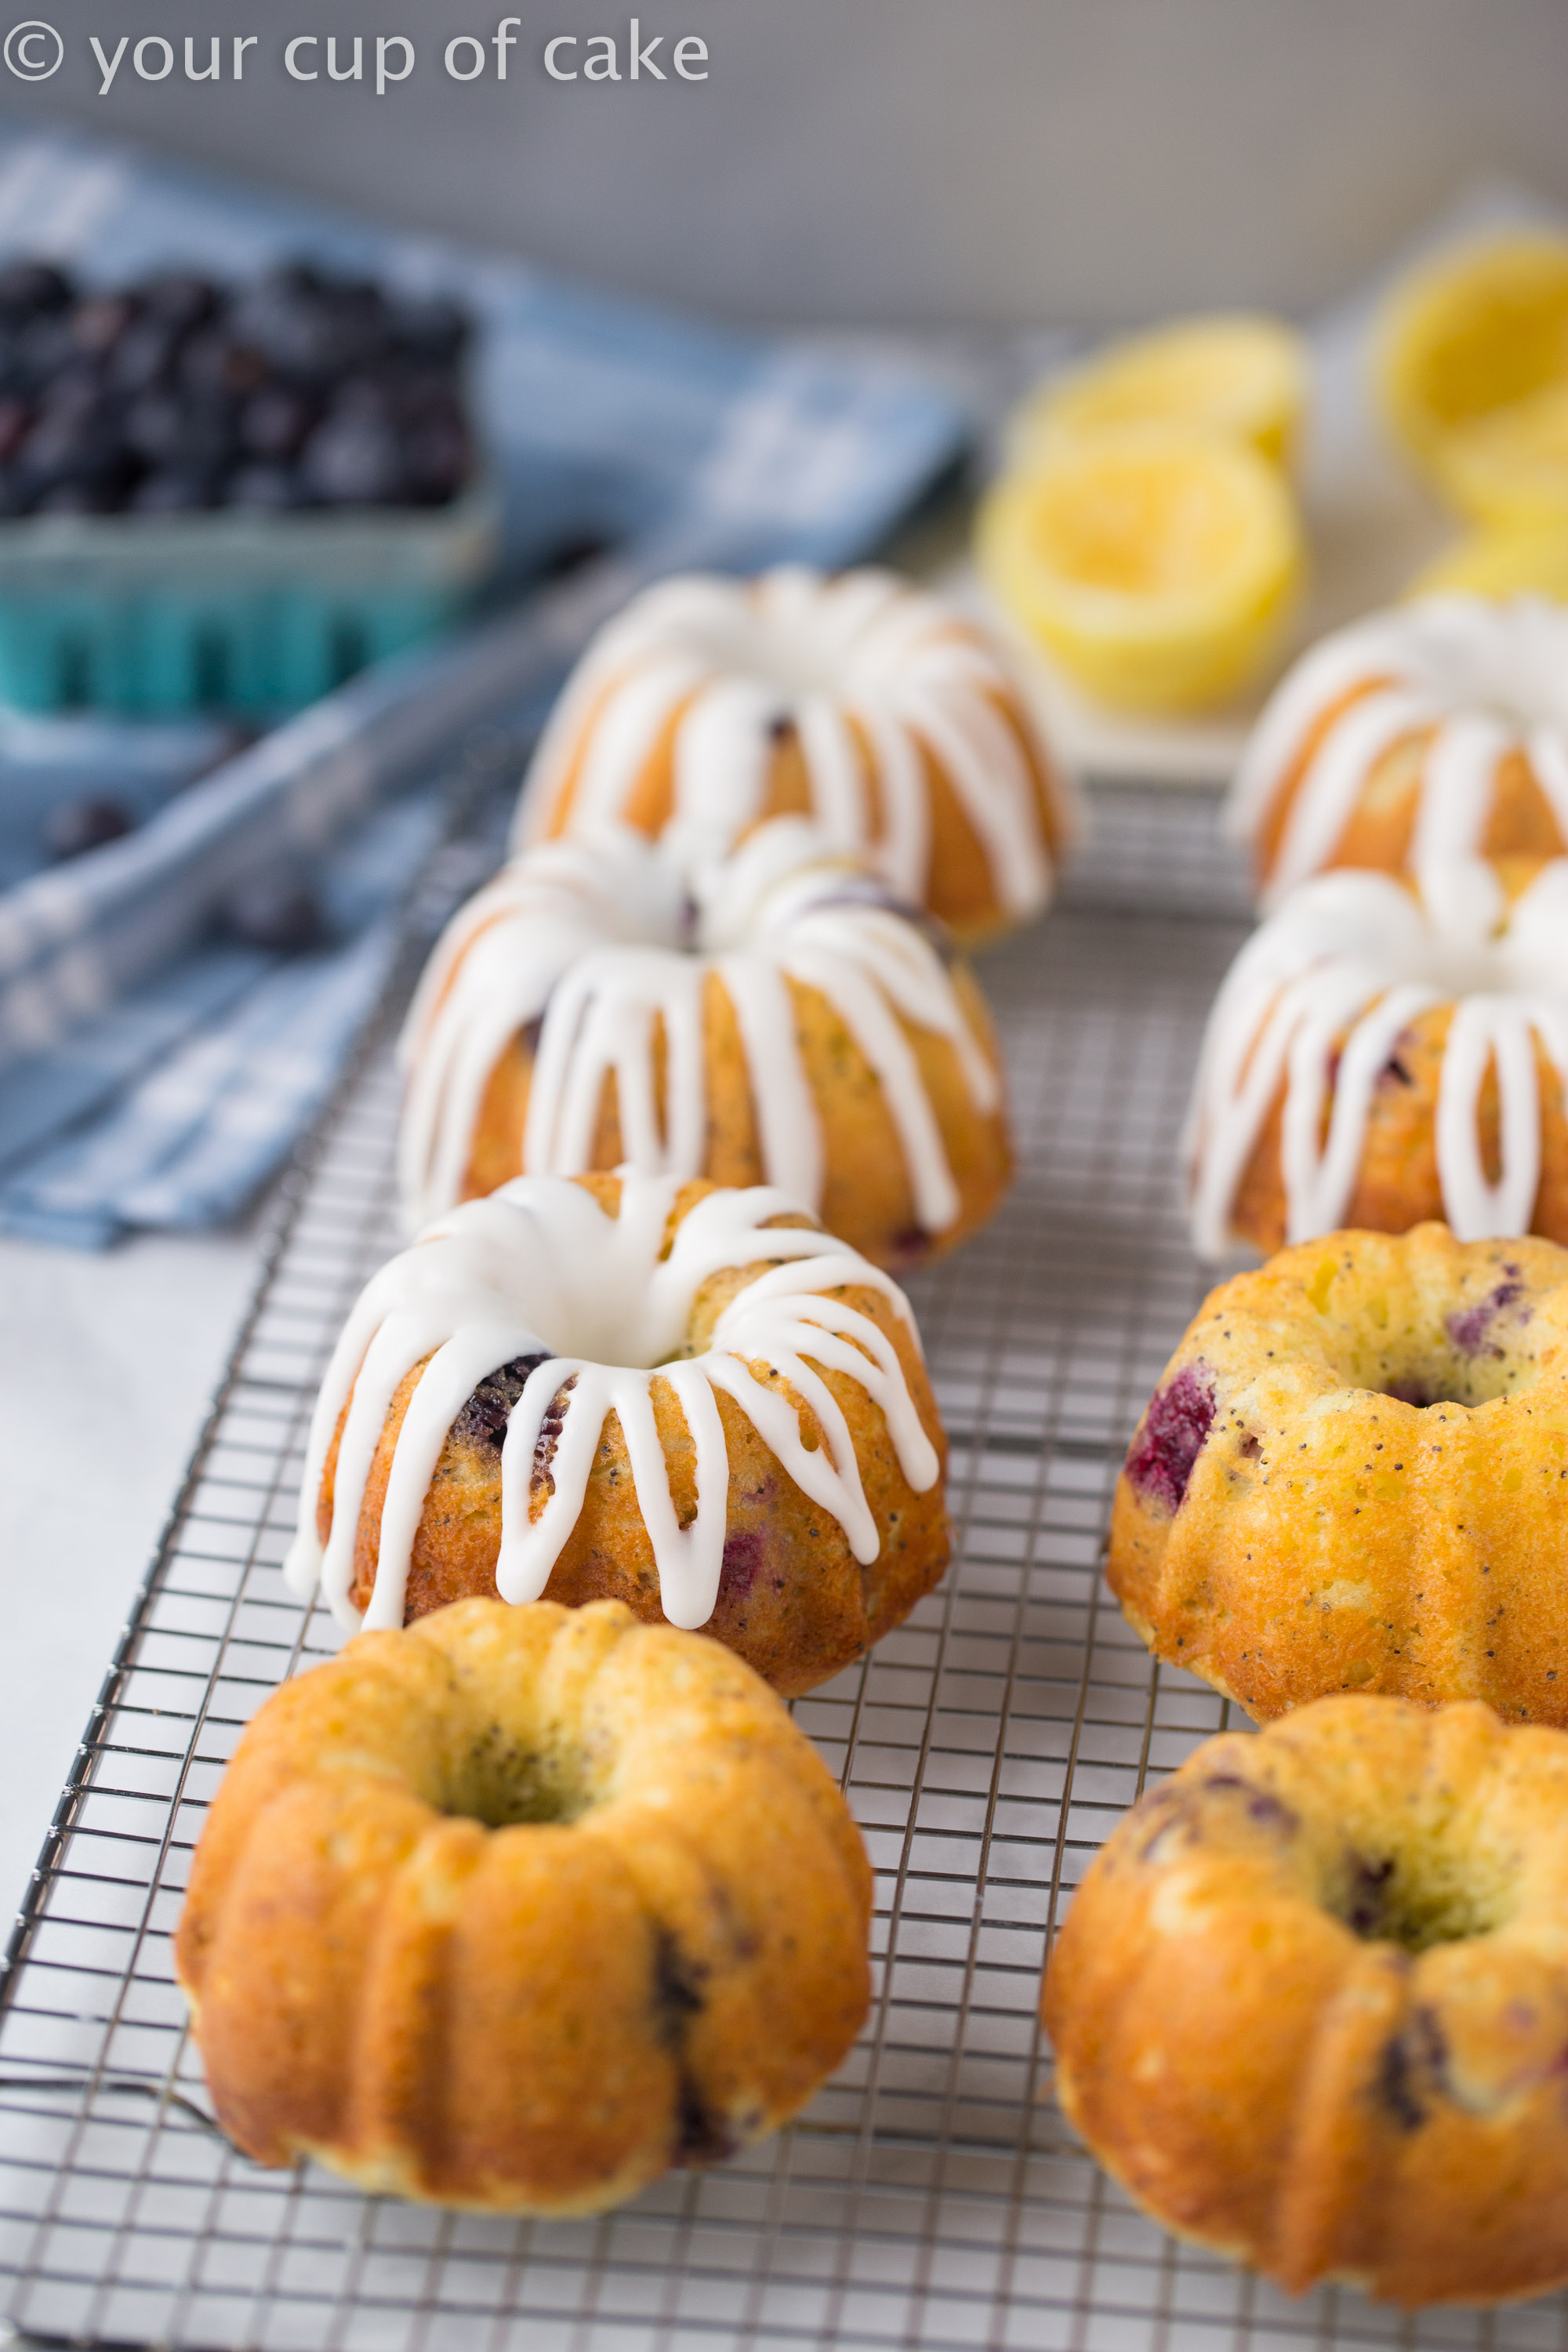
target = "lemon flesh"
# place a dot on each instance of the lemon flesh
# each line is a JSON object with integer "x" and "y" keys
{"x": 1511, "y": 467}
{"x": 1241, "y": 375}
{"x": 1472, "y": 365}
{"x": 1157, "y": 563}
{"x": 1532, "y": 559}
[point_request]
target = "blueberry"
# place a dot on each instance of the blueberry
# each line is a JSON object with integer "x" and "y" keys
{"x": 436, "y": 461}
{"x": 1160, "y": 1459}
{"x": 275, "y": 909}
{"x": 77, "y": 447}
{"x": 179, "y": 299}
{"x": 154, "y": 427}
{"x": 1470, "y": 1331}
{"x": 273, "y": 488}
{"x": 172, "y": 394}
{"x": 15, "y": 417}
{"x": 45, "y": 350}
{"x": 745, "y": 1556}
{"x": 75, "y": 827}
{"x": 12, "y": 369}
{"x": 175, "y": 489}
{"x": 308, "y": 331}
{"x": 569, "y": 555}
{"x": 88, "y": 494}
{"x": 209, "y": 430}
{"x": 355, "y": 461}
{"x": 144, "y": 355}
{"x": 275, "y": 421}
{"x": 76, "y": 396}
{"x": 369, "y": 396}
{"x": 430, "y": 327}
{"x": 28, "y": 289}
{"x": 97, "y": 323}
{"x": 218, "y": 364}
{"x": 482, "y": 1421}
{"x": 168, "y": 429}
{"x": 290, "y": 282}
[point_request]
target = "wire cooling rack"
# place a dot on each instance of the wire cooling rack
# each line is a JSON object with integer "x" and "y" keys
{"x": 930, "y": 2197}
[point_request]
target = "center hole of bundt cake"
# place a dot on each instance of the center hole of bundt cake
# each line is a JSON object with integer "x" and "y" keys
{"x": 1460, "y": 968}
{"x": 799, "y": 655}
{"x": 501, "y": 1781}
{"x": 602, "y": 1306}
{"x": 1430, "y": 1894}
{"x": 1431, "y": 1384}
{"x": 1463, "y": 1350}
{"x": 1453, "y": 1375}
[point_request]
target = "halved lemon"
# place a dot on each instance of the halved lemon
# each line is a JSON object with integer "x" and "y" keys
{"x": 1471, "y": 364}
{"x": 1511, "y": 467}
{"x": 1157, "y": 562}
{"x": 1243, "y": 375}
{"x": 1532, "y": 559}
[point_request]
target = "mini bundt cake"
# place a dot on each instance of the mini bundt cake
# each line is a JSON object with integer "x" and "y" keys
{"x": 518, "y": 1908}
{"x": 1353, "y": 1476}
{"x": 773, "y": 1018}
{"x": 887, "y": 716}
{"x": 1383, "y": 1052}
{"x": 626, "y": 1387}
{"x": 1436, "y": 731}
{"x": 1311, "y": 2001}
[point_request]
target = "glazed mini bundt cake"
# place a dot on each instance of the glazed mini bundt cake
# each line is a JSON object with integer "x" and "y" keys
{"x": 771, "y": 1018}
{"x": 623, "y": 1387}
{"x": 886, "y": 715}
{"x": 1436, "y": 731}
{"x": 1353, "y": 1476}
{"x": 1383, "y": 1052}
{"x": 1311, "y": 2001}
{"x": 519, "y": 1907}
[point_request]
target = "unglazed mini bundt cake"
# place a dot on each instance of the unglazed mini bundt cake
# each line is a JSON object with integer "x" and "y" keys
{"x": 1353, "y": 1476}
{"x": 626, "y": 1387}
{"x": 1311, "y": 2001}
{"x": 518, "y": 1908}
{"x": 1383, "y": 1052}
{"x": 771, "y": 1018}
{"x": 884, "y": 714}
{"x": 1436, "y": 731}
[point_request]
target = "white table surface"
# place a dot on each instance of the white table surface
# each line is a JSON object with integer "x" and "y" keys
{"x": 107, "y": 1363}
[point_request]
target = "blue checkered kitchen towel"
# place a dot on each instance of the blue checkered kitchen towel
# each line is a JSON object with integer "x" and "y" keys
{"x": 150, "y": 1076}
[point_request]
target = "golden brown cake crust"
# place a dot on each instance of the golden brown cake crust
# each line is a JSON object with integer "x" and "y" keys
{"x": 866, "y": 1198}
{"x": 960, "y": 891}
{"x": 793, "y": 1602}
{"x": 1311, "y": 2001}
{"x": 1295, "y": 1517}
{"x": 1397, "y": 1183}
{"x": 520, "y": 1907}
{"x": 1379, "y": 827}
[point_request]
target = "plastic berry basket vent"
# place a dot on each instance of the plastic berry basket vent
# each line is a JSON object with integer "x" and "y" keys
{"x": 930, "y": 2197}
{"x": 254, "y": 612}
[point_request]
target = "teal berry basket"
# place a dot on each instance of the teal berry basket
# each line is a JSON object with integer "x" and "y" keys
{"x": 256, "y": 613}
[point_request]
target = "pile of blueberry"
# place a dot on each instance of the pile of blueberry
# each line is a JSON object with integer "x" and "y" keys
{"x": 302, "y": 390}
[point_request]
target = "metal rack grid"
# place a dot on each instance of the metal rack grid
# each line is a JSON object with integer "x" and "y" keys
{"x": 930, "y": 2197}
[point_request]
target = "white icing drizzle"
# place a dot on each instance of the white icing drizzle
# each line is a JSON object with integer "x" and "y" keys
{"x": 585, "y": 938}
{"x": 539, "y": 1266}
{"x": 736, "y": 660}
{"x": 1361, "y": 955}
{"x": 1487, "y": 676}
